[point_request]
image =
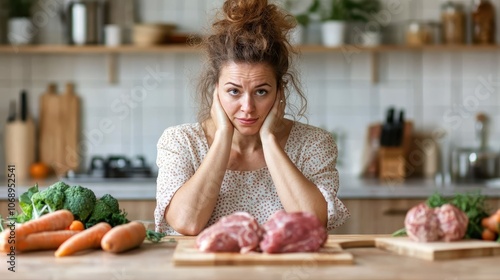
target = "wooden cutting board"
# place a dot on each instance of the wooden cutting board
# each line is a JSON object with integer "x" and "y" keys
{"x": 60, "y": 129}
{"x": 50, "y": 130}
{"x": 331, "y": 254}
{"x": 438, "y": 250}
{"x": 70, "y": 122}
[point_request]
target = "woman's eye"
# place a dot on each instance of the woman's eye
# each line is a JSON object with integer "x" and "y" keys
{"x": 233, "y": 91}
{"x": 261, "y": 92}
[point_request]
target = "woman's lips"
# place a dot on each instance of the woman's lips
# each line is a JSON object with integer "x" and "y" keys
{"x": 247, "y": 121}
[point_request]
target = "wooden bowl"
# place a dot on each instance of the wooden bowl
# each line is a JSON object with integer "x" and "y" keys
{"x": 152, "y": 33}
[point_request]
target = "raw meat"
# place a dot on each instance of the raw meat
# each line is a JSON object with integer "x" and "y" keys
{"x": 421, "y": 223}
{"x": 446, "y": 223}
{"x": 293, "y": 232}
{"x": 238, "y": 232}
{"x": 452, "y": 222}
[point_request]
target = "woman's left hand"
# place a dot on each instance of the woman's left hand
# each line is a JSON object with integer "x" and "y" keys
{"x": 274, "y": 121}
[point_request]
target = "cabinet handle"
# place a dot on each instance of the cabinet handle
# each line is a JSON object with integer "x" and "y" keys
{"x": 395, "y": 212}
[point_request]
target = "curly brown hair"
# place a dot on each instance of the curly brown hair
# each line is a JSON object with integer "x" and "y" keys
{"x": 250, "y": 31}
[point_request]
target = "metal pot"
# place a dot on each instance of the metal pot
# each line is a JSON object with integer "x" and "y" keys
{"x": 474, "y": 165}
{"x": 84, "y": 21}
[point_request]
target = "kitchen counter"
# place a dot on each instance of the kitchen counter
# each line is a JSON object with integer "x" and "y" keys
{"x": 350, "y": 188}
{"x": 154, "y": 261}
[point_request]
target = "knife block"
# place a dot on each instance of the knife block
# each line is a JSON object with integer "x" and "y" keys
{"x": 393, "y": 160}
{"x": 20, "y": 147}
{"x": 392, "y": 163}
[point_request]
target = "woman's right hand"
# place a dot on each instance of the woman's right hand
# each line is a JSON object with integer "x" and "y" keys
{"x": 219, "y": 116}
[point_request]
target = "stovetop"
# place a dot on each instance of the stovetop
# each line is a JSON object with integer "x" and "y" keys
{"x": 114, "y": 168}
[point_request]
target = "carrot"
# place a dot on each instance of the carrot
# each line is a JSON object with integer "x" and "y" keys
{"x": 124, "y": 237}
{"x": 488, "y": 235}
{"x": 57, "y": 220}
{"x": 492, "y": 222}
{"x": 76, "y": 225}
{"x": 47, "y": 240}
{"x": 86, "y": 239}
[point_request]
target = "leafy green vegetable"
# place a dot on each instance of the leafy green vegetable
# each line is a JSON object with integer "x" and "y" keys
{"x": 155, "y": 236}
{"x": 472, "y": 203}
{"x": 26, "y": 205}
{"x": 107, "y": 210}
{"x": 400, "y": 232}
{"x": 53, "y": 197}
{"x": 80, "y": 201}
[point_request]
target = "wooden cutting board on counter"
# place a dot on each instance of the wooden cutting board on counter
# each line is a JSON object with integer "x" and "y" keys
{"x": 332, "y": 253}
{"x": 50, "y": 130}
{"x": 438, "y": 250}
{"x": 70, "y": 121}
{"x": 59, "y": 129}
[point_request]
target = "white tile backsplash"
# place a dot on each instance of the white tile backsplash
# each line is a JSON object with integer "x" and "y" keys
{"x": 155, "y": 91}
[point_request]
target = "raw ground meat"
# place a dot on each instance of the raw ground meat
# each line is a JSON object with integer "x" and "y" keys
{"x": 238, "y": 232}
{"x": 425, "y": 224}
{"x": 452, "y": 222}
{"x": 293, "y": 232}
{"x": 421, "y": 223}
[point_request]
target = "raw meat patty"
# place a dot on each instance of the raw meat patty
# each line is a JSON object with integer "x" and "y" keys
{"x": 293, "y": 232}
{"x": 421, "y": 223}
{"x": 452, "y": 222}
{"x": 238, "y": 232}
{"x": 425, "y": 224}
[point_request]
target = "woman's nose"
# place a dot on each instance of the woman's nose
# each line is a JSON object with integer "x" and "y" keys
{"x": 247, "y": 104}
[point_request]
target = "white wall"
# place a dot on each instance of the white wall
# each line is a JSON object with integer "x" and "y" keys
{"x": 432, "y": 87}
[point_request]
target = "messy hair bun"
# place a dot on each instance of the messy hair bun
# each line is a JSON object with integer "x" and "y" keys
{"x": 250, "y": 31}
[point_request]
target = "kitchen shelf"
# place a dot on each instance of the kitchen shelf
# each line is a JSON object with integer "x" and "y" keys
{"x": 179, "y": 48}
{"x": 347, "y": 50}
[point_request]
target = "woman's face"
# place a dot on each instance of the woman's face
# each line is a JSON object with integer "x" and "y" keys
{"x": 247, "y": 93}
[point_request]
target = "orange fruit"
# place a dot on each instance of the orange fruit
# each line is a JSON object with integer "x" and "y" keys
{"x": 39, "y": 170}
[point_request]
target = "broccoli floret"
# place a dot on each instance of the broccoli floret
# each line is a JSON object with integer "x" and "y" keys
{"x": 100, "y": 213}
{"x": 107, "y": 210}
{"x": 111, "y": 202}
{"x": 80, "y": 201}
{"x": 53, "y": 196}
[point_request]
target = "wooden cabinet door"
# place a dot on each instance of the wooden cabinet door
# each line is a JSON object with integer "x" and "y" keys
{"x": 375, "y": 216}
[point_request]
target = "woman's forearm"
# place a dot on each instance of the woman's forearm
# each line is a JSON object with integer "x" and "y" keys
{"x": 192, "y": 205}
{"x": 296, "y": 192}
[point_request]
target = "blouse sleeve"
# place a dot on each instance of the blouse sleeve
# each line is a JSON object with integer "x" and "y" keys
{"x": 318, "y": 166}
{"x": 174, "y": 169}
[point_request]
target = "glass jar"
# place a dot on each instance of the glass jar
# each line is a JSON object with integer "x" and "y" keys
{"x": 453, "y": 23}
{"x": 483, "y": 22}
{"x": 417, "y": 33}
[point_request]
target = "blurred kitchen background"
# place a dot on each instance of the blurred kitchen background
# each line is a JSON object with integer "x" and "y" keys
{"x": 447, "y": 92}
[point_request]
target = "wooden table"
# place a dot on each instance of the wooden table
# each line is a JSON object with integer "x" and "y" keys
{"x": 154, "y": 261}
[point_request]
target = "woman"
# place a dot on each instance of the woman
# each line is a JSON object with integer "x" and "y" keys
{"x": 243, "y": 155}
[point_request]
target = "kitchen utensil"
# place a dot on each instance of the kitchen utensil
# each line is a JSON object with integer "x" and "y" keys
{"x": 20, "y": 141}
{"x": 51, "y": 130}
{"x": 438, "y": 250}
{"x": 70, "y": 123}
{"x": 84, "y": 21}
{"x": 469, "y": 165}
{"x": 12, "y": 111}
{"x": 472, "y": 165}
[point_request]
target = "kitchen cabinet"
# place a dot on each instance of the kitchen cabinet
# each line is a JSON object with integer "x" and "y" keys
{"x": 139, "y": 209}
{"x": 382, "y": 216}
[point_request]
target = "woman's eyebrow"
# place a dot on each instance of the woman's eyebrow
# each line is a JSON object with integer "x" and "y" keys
{"x": 236, "y": 85}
